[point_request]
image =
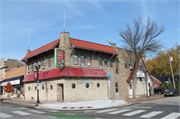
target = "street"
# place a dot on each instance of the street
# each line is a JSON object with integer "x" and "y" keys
{"x": 166, "y": 108}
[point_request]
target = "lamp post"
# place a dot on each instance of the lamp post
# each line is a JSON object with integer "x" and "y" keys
{"x": 37, "y": 65}
{"x": 145, "y": 71}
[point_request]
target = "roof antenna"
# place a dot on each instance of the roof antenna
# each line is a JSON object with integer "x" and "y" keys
{"x": 64, "y": 19}
{"x": 28, "y": 40}
{"x": 109, "y": 41}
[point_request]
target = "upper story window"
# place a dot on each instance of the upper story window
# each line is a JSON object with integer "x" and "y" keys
{"x": 129, "y": 64}
{"x": 82, "y": 60}
{"x": 88, "y": 61}
{"x": 75, "y": 59}
{"x": 110, "y": 63}
{"x": 43, "y": 64}
{"x": 139, "y": 66}
{"x": 117, "y": 67}
{"x": 29, "y": 67}
{"x": 50, "y": 62}
{"x": 32, "y": 67}
{"x": 100, "y": 62}
{"x": 105, "y": 62}
{"x": 125, "y": 65}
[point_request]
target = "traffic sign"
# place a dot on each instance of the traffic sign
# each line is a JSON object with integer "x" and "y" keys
{"x": 38, "y": 81}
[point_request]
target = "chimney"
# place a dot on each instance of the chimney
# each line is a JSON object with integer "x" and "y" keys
{"x": 113, "y": 45}
{"x": 28, "y": 51}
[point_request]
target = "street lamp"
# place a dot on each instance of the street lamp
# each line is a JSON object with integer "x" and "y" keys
{"x": 145, "y": 71}
{"x": 37, "y": 65}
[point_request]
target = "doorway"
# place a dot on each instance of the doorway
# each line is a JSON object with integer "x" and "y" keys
{"x": 60, "y": 92}
{"x": 130, "y": 90}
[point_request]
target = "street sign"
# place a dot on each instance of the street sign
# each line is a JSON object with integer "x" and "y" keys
{"x": 35, "y": 74}
{"x": 38, "y": 82}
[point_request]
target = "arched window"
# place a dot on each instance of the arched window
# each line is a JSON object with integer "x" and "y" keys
{"x": 110, "y": 63}
{"x": 88, "y": 61}
{"x": 100, "y": 62}
{"x": 117, "y": 67}
{"x": 129, "y": 64}
{"x": 125, "y": 65}
{"x": 75, "y": 59}
{"x": 105, "y": 62}
{"x": 82, "y": 60}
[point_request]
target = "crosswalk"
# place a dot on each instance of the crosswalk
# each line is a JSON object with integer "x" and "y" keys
{"x": 132, "y": 112}
{"x": 24, "y": 113}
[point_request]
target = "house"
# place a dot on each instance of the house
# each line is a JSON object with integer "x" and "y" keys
{"x": 74, "y": 70}
{"x": 160, "y": 79}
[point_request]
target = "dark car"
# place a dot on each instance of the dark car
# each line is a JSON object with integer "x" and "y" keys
{"x": 171, "y": 92}
{"x": 159, "y": 90}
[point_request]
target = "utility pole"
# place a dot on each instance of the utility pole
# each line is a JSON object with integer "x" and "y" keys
{"x": 171, "y": 59}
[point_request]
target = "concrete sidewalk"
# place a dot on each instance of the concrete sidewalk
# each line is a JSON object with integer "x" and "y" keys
{"x": 81, "y": 104}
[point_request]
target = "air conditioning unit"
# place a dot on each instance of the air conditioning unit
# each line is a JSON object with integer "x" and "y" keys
{"x": 43, "y": 67}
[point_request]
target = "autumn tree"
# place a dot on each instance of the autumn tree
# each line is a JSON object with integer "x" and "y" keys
{"x": 8, "y": 88}
{"x": 141, "y": 39}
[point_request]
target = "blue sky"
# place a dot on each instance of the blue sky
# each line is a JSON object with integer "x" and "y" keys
{"x": 90, "y": 20}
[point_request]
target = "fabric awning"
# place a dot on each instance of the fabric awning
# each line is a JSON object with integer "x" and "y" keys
{"x": 68, "y": 71}
{"x": 13, "y": 81}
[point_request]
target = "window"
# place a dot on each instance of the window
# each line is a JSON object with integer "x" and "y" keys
{"x": 29, "y": 66}
{"x": 73, "y": 85}
{"x": 88, "y": 61}
{"x": 130, "y": 85}
{"x": 32, "y": 67}
{"x": 110, "y": 64}
{"x": 75, "y": 59}
{"x": 116, "y": 88}
{"x": 28, "y": 88}
{"x": 50, "y": 62}
{"x": 139, "y": 66}
{"x": 35, "y": 88}
{"x": 98, "y": 85}
{"x": 117, "y": 67}
{"x": 100, "y": 62}
{"x": 82, "y": 60}
{"x": 105, "y": 62}
{"x": 87, "y": 85}
{"x": 125, "y": 65}
{"x": 51, "y": 87}
{"x": 42, "y": 87}
{"x": 140, "y": 79}
{"x": 43, "y": 64}
{"x": 129, "y": 64}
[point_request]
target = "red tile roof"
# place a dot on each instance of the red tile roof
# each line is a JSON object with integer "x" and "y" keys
{"x": 68, "y": 71}
{"x": 92, "y": 46}
{"x": 42, "y": 49}
{"x": 74, "y": 42}
{"x": 132, "y": 72}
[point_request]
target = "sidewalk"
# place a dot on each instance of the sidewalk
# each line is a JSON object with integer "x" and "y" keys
{"x": 81, "y": 104}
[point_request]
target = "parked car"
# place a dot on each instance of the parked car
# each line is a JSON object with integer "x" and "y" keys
{"x": 159, "y": 90}
{"x": 171, "y": 92}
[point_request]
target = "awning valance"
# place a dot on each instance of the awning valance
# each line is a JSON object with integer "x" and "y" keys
{"x": 13, "y": 81}
{"x": 68, "y": 71}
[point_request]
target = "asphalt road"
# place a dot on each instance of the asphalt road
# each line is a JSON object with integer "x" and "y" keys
{"x": 166, "y": 108}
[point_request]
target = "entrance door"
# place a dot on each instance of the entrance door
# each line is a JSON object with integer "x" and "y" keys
{"x": 60, "y": 92}
{"x": 116, "y": 89}
{"x": 130, "y": 90}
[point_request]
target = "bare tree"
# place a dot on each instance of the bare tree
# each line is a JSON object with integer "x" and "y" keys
{"x": 141, "y": 39}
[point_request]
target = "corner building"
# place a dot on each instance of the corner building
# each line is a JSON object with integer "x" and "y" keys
{"x": 83, "y": 76}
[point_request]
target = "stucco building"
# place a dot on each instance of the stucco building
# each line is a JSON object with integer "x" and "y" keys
{"x": 73, "y": 70}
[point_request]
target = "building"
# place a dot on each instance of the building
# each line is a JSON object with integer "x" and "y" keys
{"x": 73, "y": 70}
{"x": 13, "y": 71}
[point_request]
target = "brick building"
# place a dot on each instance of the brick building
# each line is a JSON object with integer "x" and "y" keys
{"x": 83, "y": 74}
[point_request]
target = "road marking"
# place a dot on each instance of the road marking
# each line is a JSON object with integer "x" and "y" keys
{"x": 140, "y": 107}
{"x": 173, "y": 115}
{"x": 107, "y": 110}
{"x": 134, "y": 112}
{"x": 21, "y": 112}
{"x": 36, "y": 111}
{"x": 151, "y": 114}
{"x": 4, "y": 115}
{"x": 119, "y": 111}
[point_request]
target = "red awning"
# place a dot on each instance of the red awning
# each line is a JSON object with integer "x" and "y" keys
{"x": 68, "y": 71}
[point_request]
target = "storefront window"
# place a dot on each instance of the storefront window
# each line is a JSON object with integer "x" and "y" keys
{"x": 73, "y": 85}
{"x": 82, "y": 60}
{"x": 50, "y": 62}
{"x": 75, "y": 59}
{"x": 117, "y": 67}
{"x": 110, "y": 64}
{"x": 100, "y": 62}
{"x": 105, "y": 62}
{"x": 87, "y": 85}
{"x": 98, "y": 85}
{"x": 88, "y": 61}
{"x": 51, "y": 87}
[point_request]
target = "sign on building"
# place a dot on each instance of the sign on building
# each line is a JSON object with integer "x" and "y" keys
{"x": 35, "y": 74}
{"x": 59, "y": 58}
{"x": 140, "y": 74}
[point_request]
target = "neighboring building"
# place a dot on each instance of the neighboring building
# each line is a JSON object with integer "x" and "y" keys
{"x": 160, "y": 79}
{"x": 12, "y": 71}
{"x": 84, "y": 70}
